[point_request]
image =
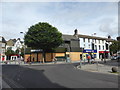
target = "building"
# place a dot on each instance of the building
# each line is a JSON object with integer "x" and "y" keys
{"x": 68, "y": 51}
{"x": 2, "y": 49}
{"x": 14, "y": 44}
{"x": 118, "y": 38}
{"x": 75, "y": 48}
{"x": 97, "y": 47}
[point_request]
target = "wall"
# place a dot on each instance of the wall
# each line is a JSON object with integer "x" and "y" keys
{"x": 26, "y": 56}
{"x": 59, "y": 54}
{"x": 74, "y": 56}
{"x": 40, "y": 57}
{"x": 50, "y": 56}
{"x": 34, "y": 57}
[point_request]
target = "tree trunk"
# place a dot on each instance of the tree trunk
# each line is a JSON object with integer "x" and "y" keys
{"x": 37, "y": 56}
{"x": 44, "y": 57}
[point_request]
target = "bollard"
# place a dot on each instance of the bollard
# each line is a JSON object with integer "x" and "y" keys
{"x": 84, "y": 61}
{"x": 97, "y": 65}
{"x": 80, "y": 64}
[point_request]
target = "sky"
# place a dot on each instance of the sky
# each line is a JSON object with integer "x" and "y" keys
{"x": 87, "y": 17}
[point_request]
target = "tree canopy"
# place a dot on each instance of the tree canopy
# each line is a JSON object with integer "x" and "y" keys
{"x": 115, "y": 46}
{"x": 43, "y": 36}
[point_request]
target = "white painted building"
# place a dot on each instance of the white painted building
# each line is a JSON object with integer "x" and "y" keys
{"x": 2, "y": 49}
{"x": 14, "y": 44}
{"x": 98, "y": 46}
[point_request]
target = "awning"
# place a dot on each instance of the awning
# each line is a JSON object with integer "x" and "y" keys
{"x": 104, "y": 52}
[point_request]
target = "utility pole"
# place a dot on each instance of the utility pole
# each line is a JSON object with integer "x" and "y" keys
{"x": 24, "y": 45}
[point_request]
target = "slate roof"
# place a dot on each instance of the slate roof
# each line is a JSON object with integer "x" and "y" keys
{"x": 68, "y": 37}
{"x": 3, "y": 40}
{"x": 94, "y": 37}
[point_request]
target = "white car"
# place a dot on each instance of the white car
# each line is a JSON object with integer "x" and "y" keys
{"x": 113, "y": 57}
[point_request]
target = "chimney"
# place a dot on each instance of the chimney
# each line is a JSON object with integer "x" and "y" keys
{"x": 109, "y": 37}
{"x": 76, "y": 33}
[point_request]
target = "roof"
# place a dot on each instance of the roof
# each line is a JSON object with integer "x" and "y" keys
{"x": 3, "y": 39}
{"x": 94, "y": 37}
{"x": 11, "y": 42}
{"x": 68, "y": 37}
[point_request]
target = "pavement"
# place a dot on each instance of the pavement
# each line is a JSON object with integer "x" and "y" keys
{"x": 100, "y": 67}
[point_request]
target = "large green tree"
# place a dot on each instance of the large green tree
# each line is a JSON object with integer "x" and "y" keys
{"x": 43, "y": 36}
{"x": 114, "y": 47}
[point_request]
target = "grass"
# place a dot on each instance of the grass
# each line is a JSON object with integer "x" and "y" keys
{"x": 115, "y": 72}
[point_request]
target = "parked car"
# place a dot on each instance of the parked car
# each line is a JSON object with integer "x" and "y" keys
{"x": 118, "y": 58}
{"x": 113, "y": 57}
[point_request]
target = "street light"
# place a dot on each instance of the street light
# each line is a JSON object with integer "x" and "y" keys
{"x": 24, "y": 44}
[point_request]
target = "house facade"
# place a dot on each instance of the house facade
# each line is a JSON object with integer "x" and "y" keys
{"x": 14, "y": 44}
{"x": 2, "y": 49}
{"x": 95, "y": 46}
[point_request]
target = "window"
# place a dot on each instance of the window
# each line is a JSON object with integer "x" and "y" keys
{"x": 106, "y": 46}
{"x": 96, "y": 47}
{"x": 103, "y": 47}
{"x": 83, "y": 39}
{"x": 95, "y": 40}
{"x": 99, "y": 41}
{"x": 103, "y": 41}
{"x": 99, "y": 47}
{"x": 92, "y": 46}
{"x": 88, "y": 40}
{"x": 84, "y": 45}
{"x": 89, "y": 45}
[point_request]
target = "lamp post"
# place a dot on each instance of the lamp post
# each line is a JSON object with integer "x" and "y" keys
{"x": 93, "y": 43}
{"x": 24, "y": 44}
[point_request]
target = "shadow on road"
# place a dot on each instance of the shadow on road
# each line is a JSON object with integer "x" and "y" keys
{"x": 26, "y": 77}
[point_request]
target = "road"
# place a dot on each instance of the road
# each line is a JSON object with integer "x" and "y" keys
{"x": 55, "y": 76}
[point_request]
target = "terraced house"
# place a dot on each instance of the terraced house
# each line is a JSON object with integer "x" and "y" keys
{"x": 96, "y": 46}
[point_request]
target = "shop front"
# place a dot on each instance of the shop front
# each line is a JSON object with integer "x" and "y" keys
{"x": 2, "y": 57}
{"x": 104, "y": 54}
{"x": 90, "y": 52}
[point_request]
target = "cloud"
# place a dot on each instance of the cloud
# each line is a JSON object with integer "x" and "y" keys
{"x": 86, "y": 17}
{"x": 109, "y": 26}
